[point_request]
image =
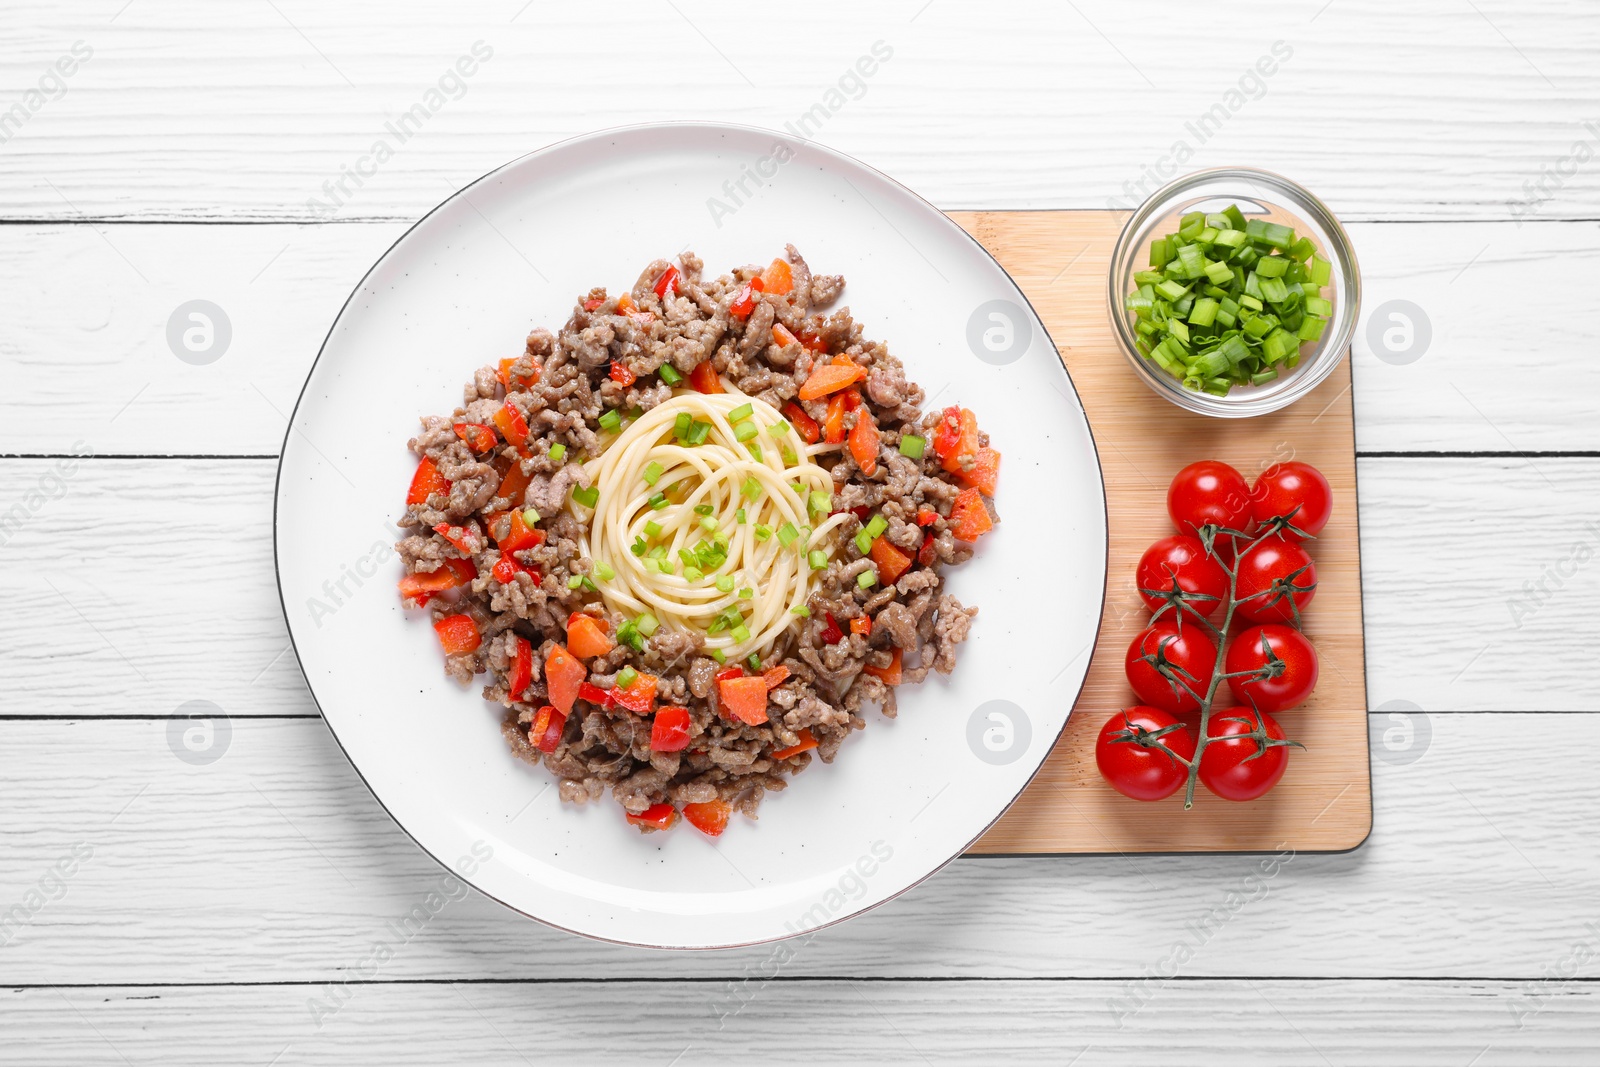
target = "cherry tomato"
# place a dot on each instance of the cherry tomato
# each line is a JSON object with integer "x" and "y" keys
{"x": 1211, "y": 492}
{"x": 1143, "y": 771}
{"x": 1190, "y": 655}
{"x": 1272, "y": 576}
{"x": 1182, "y": 558}
{"x": 1297, "y": 490}
{"x": 1293, "y": 661}
{"x": 1226, "y": 767}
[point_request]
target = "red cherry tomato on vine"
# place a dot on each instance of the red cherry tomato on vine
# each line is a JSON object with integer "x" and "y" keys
{"x": 1183, "y": 558}
{"x": 1226, "y": 767}
{"x": 1143, "y": 771}
{"x": 1272, "y": 576}
{"x": 1189, "y": 653}
{"x": 1295, "y": 678}
{"x": 1297, "y": 490}
{"x": 1209, "y": 492}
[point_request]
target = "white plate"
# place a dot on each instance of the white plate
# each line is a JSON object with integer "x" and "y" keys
{"x": 460, "y": 290}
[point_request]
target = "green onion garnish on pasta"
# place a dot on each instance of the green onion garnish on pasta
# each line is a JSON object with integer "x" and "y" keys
{"x": 558, "y": 452}
{"x": 740, "y": 413}
{"x": 669, "y": 374}
{"x": 652, "y": 473}
{"x": 610, "y": 421}
{"x": 587, "y": 496}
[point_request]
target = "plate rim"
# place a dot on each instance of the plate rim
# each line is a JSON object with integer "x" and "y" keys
{"x": 689, "y": 124}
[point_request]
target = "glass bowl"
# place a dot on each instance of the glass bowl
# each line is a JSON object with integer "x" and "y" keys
{"x": 1259, "y": 194}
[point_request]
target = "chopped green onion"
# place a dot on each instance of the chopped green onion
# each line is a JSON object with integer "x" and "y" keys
{"x": 658, "y": 501}
{"x": 611, "y": 421}
{"x": 742, "y": 412}
{"x": 646, "y": 624}
{"x": 725, "y": 583}
{"x": 718, "y": 655}
{"x": 876, "y": 525}
{"x": 867, "y": 579}
{"x": 911, "y": 445}
{"x": 744, "y": 431}
{"x": 703, "y": 509}
{"x": 653, "y": 528}
{"x": 786, "y": 534}
{"x": 638, "y": 547}
{"x": 820, "y": 502}
{"x": 755, "y": 451}
{"x": 802, "y": 611}
{"x": 740, "y": 633}
{"x": 789, "y": 459}
{"x": 762, "y": 533}
{"x": 692, "y": 574}
{"x": 755, "y": 662}
{"x": 603, "y": 570}
{"x": 627, "y": 676}
{"x": 738, "y": 517}
{"x": 652, "y": 473}
{"x": 575, "y": 581}
{"x": 1227, "y": 300}
{"x": 708, "y": 524}
{"x": 588, "y": 497}
{"x": 746, "y": 593}
{"x": 680, "y": 425}
{"x": 529, "y": 517}
{"x": 669, "y": 374}
{"x": 818, "y": 559}
{"x": 751, "y": 488}
{"x": 778, "y": 430}
{"x": 863, "y": 541}
{"x": 558, "y": 452}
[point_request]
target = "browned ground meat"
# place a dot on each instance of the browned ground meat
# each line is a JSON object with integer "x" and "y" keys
{"x": 608, "y": 356}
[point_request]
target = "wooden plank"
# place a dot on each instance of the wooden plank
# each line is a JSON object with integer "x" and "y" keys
{"x": 1290, "y": 1023}
{"x": 78, "y": 311}
{"x": 196, "y": 533}
{"x": 1324, "y": 801}
{"x": 273, "y": 863}
{"x": 244, "y": 111}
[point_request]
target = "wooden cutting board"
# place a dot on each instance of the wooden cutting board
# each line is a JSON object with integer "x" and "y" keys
{"x": 1324, "y": 802}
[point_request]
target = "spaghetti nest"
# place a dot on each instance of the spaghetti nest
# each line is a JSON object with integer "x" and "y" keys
{"x": 713, "y": 517}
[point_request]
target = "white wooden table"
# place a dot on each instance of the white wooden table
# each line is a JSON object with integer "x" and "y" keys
{"x": 158, "y": 910}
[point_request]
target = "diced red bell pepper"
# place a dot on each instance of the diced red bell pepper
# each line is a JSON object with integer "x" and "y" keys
{"x": 745, "y": 698}
{"x": 587, "y": 636}
{"x": 464, "y": 539}
{"x": 639, "y": 697}
{"x": 927, "y": 516}
{"x": 593, "y": 303}
{"x": 670, "y": 732}
{"x": 710, "y": 817}
{"x": 831, "y": 634}
{"x": 545, "y": 733}
{"x": 778, "y": 278}
{"x": 985, "y": 472}
{"x": 479, "y": 438}
{"x": 891, "y": 674}
{"x": 422, "y": 587}
{"x": 805, "y": 744}
{"x": 814, "y": 342}
{"x": 521, "y": 667}
{"x": 668, "y": 282}
{"x": 745, "y": 301}
{"x": 852, "y": 399}
{"x": 728, "y": 672}
{"x": 775, "y": 676}
{"x": 833, "y": 421}
{"x": 929, "y": 550}
{"x": 828, "y": 378}
{"x": 956, "y": 436}
{"x": 704, "y": 378}
{"x": 600, "y": 698}
{"x": 860, "y": 512}
{"x": 809, "y": 431}
{"x": 621, "y": 374}
{"x": 426, "y": 482}
{"x": 563, "y": 674}
{"x": 507, "y": 567}
{"x": 656, "y": 817}
{"x": 458, "y": 634}
{"x": 890, "y": 561}
{"x": 513, "y": 484}
{"x": 864, "y": 442}
{"x": 511, "y": 424}
{"x": 861, "y": 625}
{"x": 520, "y": 536}
{"x": 969, "y": 519}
